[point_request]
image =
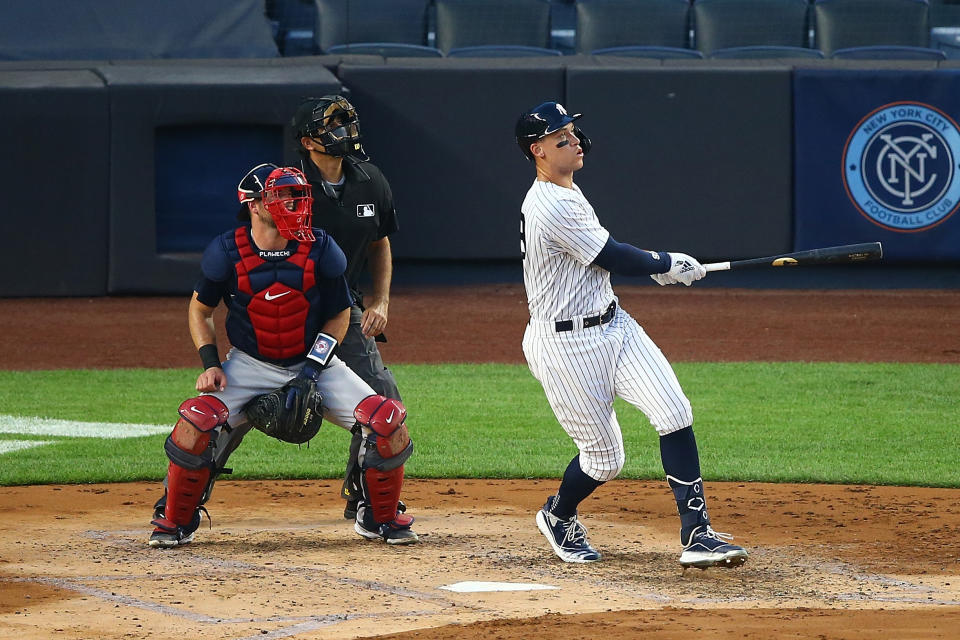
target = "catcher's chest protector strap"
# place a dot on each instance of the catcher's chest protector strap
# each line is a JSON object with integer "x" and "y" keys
{"x": 191, "y": 461}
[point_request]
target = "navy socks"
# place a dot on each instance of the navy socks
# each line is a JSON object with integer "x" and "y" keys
{"x": 574, "y": 488}
{"x": 681, "y": 463}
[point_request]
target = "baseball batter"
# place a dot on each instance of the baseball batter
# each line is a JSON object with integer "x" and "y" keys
{"x": 585, "y": 349}
{"x": 288, "y": 309}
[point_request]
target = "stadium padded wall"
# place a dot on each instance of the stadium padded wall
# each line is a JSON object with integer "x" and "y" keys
{"x": 145, "y": 155}
{"x": 689, "y": 159}
{"x": 147, "y": 102}
{"x": 55, "y": 133}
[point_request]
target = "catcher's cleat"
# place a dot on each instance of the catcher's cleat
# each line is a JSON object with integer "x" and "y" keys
{"x": 567, "y": 537}
{"x": 168, "y": 538}
{"x": 397, "y": 531}
{"x": 708, "y": 548}
{"x": 350, "y": 510}
{"x": 168, "y": 534}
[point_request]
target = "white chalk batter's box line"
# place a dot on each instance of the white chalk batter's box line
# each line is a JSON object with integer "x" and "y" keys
{"x": 32, "y": 426}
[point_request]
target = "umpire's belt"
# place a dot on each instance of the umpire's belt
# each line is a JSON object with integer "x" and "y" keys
{"x": 592, "y": 321}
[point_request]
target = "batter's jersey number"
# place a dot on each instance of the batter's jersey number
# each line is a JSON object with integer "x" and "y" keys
{"x": 523, "y": 239}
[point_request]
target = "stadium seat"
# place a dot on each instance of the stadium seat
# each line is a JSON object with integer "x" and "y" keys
{"x": 841, "y": 24}
{"x": 502, "y": 51}
{"x": 722, "y": 24}
{"x": 648, "y": 52}
{"x": 372, "y": 22}
{"x": 471, "y": 23}
{"x": 892, "y": 52}
{"x": 294, "y": 21}
{"x": 765, "y": 52}
{"x": 602, "y": 24}
{"x": 135, "y": 29}
{"x": 387, "y": 50}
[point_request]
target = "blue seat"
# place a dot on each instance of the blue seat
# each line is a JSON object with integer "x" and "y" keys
{"x": 134, "y": 29}
{"x": 723, "y": 24}
{"x": 602, "y": 24}
{"x": 472, "y": 23}
{"x": 648, "y": 52}
{"x": 765, "y": 52}
{"x": 501, "y": 51}
{"x": 294, "y": 21}
{"x": 387, "y": 50}
{"x": 893, "y": 52}
{"x": 372, "y": 22}
{"x": 842, "y": 24}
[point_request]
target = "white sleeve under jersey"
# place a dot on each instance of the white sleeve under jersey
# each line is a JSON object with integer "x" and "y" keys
{"x": 560, "y": 238}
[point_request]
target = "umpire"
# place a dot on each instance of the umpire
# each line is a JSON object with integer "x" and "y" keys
{"x": 353, "y": 203}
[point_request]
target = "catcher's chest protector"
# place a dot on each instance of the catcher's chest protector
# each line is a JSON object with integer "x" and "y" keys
{"x": 274, "y": 296}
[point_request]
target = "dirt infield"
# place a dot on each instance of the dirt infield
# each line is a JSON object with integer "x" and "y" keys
{"x": 280, "y": 562}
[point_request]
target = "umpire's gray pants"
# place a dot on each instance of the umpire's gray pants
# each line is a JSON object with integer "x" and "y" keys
{"x": 360, "y": 353}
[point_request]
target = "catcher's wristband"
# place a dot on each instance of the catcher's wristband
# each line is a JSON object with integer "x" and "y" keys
{"x": 209, "y": 356}
{"x": 323, "y": 349}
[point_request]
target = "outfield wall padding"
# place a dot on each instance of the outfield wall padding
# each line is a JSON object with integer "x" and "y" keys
{"x": 212, "y": 98}
{"x": 54, "y": 129}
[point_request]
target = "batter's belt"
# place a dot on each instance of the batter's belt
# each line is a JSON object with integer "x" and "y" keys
{"x": 590, "y": 321}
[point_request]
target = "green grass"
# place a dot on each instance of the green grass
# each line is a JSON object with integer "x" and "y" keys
{"x": 775, "y": 422}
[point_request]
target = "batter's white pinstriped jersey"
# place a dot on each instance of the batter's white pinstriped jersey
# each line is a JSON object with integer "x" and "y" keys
{"x": 582, "y": 369}
{"x": 562, "y": 236}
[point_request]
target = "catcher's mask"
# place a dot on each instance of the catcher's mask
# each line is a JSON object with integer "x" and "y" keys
{"x": 287, "y": 197}
{"x": 331, "y": 121}
{"x": 544, "y": 119}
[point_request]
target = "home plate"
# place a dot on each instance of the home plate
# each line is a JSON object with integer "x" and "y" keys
{"x": 475, "y": 587}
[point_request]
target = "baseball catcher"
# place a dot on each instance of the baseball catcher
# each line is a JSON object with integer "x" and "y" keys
{"x": 289, "y": 308}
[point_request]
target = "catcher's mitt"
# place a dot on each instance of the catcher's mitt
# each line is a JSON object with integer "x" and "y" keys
{"x": 299, "y": 423}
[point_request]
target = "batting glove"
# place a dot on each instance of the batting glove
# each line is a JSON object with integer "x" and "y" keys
{"x": 685, "y": 269}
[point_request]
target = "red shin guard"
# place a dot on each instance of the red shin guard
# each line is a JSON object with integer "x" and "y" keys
{"x": 187, "y": 481}
{"x": 383, "y": 493}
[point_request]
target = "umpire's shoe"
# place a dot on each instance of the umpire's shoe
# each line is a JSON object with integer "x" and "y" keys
{"x": 708, "y": 548}
{"x": 567, "y": 537}
{"x": 397, "y": 531}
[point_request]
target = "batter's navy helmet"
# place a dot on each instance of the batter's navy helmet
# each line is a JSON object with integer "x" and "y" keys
{"x": 541, "y": 121}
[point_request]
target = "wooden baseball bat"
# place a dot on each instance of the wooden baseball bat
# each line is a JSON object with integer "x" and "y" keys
{"x": 844, "y": 254}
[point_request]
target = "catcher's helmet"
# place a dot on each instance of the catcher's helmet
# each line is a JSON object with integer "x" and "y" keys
{"x": 332, "y": 121}
{"x": 543, "y": 120}
{"x": 286, "y": 195}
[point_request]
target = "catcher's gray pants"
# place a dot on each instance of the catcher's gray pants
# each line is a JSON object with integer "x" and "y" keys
{"x": 362, "y": 356}
{"x": 247, "y": 377}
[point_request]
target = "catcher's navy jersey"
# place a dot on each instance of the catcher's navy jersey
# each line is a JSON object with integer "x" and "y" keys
{"x": 277, "y": 301}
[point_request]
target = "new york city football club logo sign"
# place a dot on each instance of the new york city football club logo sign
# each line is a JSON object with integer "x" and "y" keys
{"x": 900, "y": 166}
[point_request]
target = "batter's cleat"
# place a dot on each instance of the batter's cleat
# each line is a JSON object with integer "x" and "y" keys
{"x": 397, "y": 531}
{"x": 567, "y": 537}
{"x": 708, "y": 548}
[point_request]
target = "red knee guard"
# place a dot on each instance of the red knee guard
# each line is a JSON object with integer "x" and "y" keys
{"x": 189, "y": 470}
